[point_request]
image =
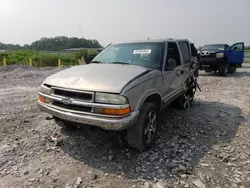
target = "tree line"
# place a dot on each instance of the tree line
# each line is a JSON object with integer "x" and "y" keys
{"x": 54, "y": 44}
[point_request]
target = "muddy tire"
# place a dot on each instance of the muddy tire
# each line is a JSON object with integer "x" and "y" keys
{"x": 65, "y": 124}
{"x": 142, "y": 135}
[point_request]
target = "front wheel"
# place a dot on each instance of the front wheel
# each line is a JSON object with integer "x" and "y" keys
{"x": 223, "y": 70}
{"x": 142, "y": 135}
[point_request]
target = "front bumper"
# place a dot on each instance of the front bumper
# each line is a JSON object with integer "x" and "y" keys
{"x": 211, "y": 62}
{"x": 107, "y": 123}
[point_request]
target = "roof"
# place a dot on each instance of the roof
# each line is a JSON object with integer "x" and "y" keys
{"x": 152, "y": 40}
{"x": 217, "y": 44}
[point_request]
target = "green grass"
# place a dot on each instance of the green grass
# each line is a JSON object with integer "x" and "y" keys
{"x": 43, "y": 59}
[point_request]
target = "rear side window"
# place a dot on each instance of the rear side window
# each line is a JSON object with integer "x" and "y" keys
{"x": 185, "y": 51}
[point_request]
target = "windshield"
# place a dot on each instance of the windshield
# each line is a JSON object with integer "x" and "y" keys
{"x": 143, "y": 54}
{"x": 213, "y": 47}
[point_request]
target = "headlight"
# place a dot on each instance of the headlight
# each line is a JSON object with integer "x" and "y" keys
{"x": 110, "y": 98}
{"x": 220, "y": 55}
{"x": 45, "y": 89}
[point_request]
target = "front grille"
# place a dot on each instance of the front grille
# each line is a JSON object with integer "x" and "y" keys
{"x": 73, "y": 94}
{"x": 72, "y": 107}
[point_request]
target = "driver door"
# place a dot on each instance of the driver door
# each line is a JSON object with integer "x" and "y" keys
{"x": 172, "y": 78}
{"x": 235, "y": 53}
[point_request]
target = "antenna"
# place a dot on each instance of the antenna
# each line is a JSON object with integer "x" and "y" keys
{"x": 81, "y": 30}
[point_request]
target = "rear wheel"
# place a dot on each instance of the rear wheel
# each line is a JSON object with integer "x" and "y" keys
{"x": 231, "y": 69}
{"x": 142, "y": 135}
{"x": 65, "y": 124}
{"x": 185, "y": 100}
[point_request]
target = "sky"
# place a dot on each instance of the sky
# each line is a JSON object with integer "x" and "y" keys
{"x": 109, "y": 21}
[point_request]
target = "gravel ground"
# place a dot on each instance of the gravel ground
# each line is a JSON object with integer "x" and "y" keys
{"x": 206, "y": 146}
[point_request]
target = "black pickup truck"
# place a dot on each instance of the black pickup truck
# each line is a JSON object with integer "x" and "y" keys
{"x": 221, "y": 57}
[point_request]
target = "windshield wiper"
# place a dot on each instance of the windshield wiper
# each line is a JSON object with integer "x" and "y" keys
{"x": 97, "y": 62}
{"x": 120, "y": 62}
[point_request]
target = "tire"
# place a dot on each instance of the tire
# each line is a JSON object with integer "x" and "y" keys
{"x": 231, "y": 69}
{"x": 182, "y": 103}
{"x": 223, "y": 70}
{"x": 142, "y": 135}
{"x": 65, "y": 124}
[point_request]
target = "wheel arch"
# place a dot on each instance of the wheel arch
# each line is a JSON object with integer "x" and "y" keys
{"x": 154, "y": 97}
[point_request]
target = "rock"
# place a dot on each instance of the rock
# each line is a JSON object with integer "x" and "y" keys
{"x": 4, "y": 172}
{"x": 154, "y": 156}
{"x": 48, "y": 118}
{"x": 133, "y": 186}
{"x": 198, "y": 183}
{"x": 237, "y": 180}
{"x": 138, "y": 169}
{"x": 146, "y": 185}
{"x": 160, "y": 185}
{"x": 93, "y": 176}
{"x": 41, "y": 171}
{"x": 31, "y": 179}
{"x": 128, "y": 155}
{"x": 202, "y": 132}
{"x": 120, "y": 168}
{"x": 184, "y": 176}
{"x": 78, "y": 180}
{"x": 25, "y": 172}
{"x": 110, "y": 157}
{"x": 234, "y": 185}
{"x": 204, "y": 165}
{"x": 160, "y": 171}
{"x": 182, "y": 168}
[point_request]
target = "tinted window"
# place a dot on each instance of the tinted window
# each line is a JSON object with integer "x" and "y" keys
{"x": 146, "y": 54}
{"x": 185, "y": 51}
{"x": 173, "y": 53}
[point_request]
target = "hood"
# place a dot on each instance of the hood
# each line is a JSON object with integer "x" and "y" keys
{"x": 96, "y": 77}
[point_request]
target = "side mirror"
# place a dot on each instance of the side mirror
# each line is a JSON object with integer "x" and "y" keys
{"x": 171, "y": 64}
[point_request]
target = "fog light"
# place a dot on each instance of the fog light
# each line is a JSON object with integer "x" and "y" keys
{"x": 99, "y": 110}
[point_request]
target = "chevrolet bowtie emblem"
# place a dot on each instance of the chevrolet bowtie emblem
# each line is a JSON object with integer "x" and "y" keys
{"x": 66, "y": 101}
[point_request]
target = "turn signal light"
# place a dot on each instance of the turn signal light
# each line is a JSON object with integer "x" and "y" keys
{"x": 120, "y": 112}
{"x": 41, "y": 99}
